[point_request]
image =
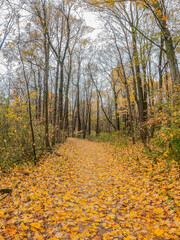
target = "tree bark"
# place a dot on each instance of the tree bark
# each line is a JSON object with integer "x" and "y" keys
{"x": 55, "y": 104}
{"x": 97, "y": 116}
{"x": 78, "y": 96}
{"x": 66, "y": 111}
{"x": 46, "y": 91}
{"x": 170, "y": 49}
{"x": 141, "y": 103}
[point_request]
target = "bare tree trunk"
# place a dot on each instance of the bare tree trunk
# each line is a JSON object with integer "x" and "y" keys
{"x": 89, "y": 121}
{"x": 39, "y": 95}
{"x": 44, "y": 25}
{"x": 74, "y": 117}
{"x": 170, "y": 49}
{"x": 116, "y": 109}
{"x": 78, "y": 96}
{"x": 61, "y": 98}
{"x": 55, "y": 104}
{"x": 84, "y": 118}
{"x": 66, "y": 112}
{"x": 29, "y": 106}
{"x": 86, "y": 112}
{"x": 171, "y": 57}
{"x": 142, "y": 109}
{"x": 97, "y": 117}
{"x": 167, "y": 85}
{"x": 151, "y": 95}
{"x": 36, "y": 92}
{"x": 46, "y": 91}
{"x": 160, "y": 74}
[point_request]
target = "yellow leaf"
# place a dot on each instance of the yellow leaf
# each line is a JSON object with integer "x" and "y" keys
{"x": 159, "y": 232}
{"x": 113, "y": 210}
{"x": 36, "y": 225}
{"x": 75, "y": 229}
{"x": 59, "y": 235}
{"x": 65, "y": 227}
{"x": 88, "y": 234}
{"x": 172, "y": 230}
{"x": 165, "y": 154}
{"x": 111, "y": 215}
{"x": 108, "y": 218}
{"x": 132, "y": 237}
{"x": 37, "y": 236}
{"x": 1, "y": 213}
{"x": 24, "y": 227}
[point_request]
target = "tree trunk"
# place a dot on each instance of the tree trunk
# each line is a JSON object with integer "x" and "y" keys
{"x": 158, "y": 10}
{"x": 46, "y": 92}
{"x": 78, "y": 96}
{"x": 89, "y": 121}
{"x": 66, "y": 112}
{"x": 116, "y": 109}
{"x": 29, "y": 107}
{"x": 160, "y": 75}
{"x": 40, "y": 95}
{"x": 60, "y": 108}
{"x": 74, "y": 118}
{"x": 97, "y": 117}
{"x": 142, "y": 109}
{"x": 55, "y": 104}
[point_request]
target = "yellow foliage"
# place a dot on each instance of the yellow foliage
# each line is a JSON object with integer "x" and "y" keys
{"x": 159, "y": 232}
{"x": 98, "y": 186}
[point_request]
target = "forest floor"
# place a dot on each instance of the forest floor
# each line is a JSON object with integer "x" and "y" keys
{"x": 91, "y": 191}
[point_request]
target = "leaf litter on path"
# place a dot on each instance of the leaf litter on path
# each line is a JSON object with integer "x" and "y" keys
{"x": 91, "y": 191}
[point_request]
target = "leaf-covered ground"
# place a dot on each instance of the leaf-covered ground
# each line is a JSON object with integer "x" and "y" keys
{"x": 93, "y": 191}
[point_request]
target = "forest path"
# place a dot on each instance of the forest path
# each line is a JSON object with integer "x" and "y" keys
{"x": 87, "y": 193}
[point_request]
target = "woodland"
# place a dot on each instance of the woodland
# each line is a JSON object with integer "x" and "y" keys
{"x": 89, "y": 120}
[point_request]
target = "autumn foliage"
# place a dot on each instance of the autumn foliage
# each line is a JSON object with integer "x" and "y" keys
{"x": 92, "y": 191}
{"x": 89, "y": 120}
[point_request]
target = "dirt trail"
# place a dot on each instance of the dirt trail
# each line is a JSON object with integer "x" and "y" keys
{"x": 86, "y": 193}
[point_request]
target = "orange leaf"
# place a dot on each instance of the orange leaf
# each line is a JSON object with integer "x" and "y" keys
{"x": 164, "y": 18}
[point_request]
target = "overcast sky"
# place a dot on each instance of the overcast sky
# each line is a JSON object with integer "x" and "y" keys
{"x": 92, "y": 21}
